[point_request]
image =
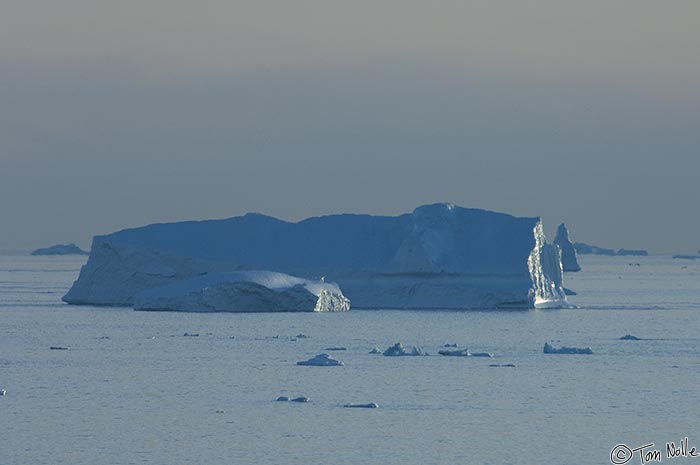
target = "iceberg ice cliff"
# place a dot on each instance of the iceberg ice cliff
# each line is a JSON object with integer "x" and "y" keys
{"x": 244, "y": 291}
{"x": 568, "y": 253}
{"x": 437, "y": 257}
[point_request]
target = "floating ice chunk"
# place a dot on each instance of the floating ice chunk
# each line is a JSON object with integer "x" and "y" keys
{"x": 509, "y": 365}
{"x": 190, "y": 335}
{"x": 59, "y": 348}
{"x": 369, "y": 405}
{"x": 335, "y": 348}
{"x": 321, "y": 360}
{"x": 283, "y": 399}
{"x": 464, "y": 353}
{"x": 629, "y": 337}
{"x": 549, "y": 349}
{"x": 455, "y": 353}
{"x": 398, "y": 350}
{"x": 245, "y": 291}
{"x": 302, "y": 400}
{"x": 3, "y": 392}
{"x": 301, "y": 336}
{"x": 376, "y": 350}
{"x": 480, "y": 354}
{"x": 450, "y": 345}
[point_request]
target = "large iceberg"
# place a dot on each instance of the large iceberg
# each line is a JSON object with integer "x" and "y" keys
{"x": 437, "y": 257}
{"x": 244, "y": 291}
{"x": 568, "y": 253}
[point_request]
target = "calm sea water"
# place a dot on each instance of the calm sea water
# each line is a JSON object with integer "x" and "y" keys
{"x": 133, "y": 390}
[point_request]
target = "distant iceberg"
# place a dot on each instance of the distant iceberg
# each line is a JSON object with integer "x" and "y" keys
{"x": 438, "y": 257}
{"x": 550, "y": 349}
{"x": 632, "y": 253}
{"x": 568, "y": 253}
{"x": 321, "y": 360}
{"x": 585, "y": 249}
{"x": 61, "y": 249}
{"x": 244, "y": 291}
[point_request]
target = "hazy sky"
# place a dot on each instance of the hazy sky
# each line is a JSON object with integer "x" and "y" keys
{"x": 120, "y": 113}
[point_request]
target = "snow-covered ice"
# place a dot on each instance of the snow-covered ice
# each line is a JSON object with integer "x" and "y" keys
{"x": 398, "y": 350}
{"x": 550, "y": 349}
{"x": 437, "y": 257}
{"x": 244, "y": 291}
{"x": 321, "y": 360}
{"x": 568, "y": 253}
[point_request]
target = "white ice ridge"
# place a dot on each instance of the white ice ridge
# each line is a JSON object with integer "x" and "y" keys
{"x": 437, "y": 257}
{"x": 546, "y": 273}
{"x": 568, "y": 253}
{"x": 244, "y": 291}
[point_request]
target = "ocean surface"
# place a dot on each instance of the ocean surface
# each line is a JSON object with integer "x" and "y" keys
{"x": 132, "y": 389}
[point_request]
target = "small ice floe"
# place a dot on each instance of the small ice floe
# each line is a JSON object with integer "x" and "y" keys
{"x": 398, "y": 350}
{"x": 629, "y": 337}
{"x": 451, "y": 345}
{"x": 510, "y": 365}
{"x": 3, "y": 392}
{"x": 375, "y": 351}
{"x": 321, "y": 360}
{"x": 301, "y": 336}
{"x": 369, "y": 405}
{"x": 335, "y": 348}
{"x": 550, "y": 349}
{"x": 190, "y": 335}
{"x": 301, "y": 400}
{"x": 59, "y": 348}
{"x": 464, "y": 353}
{"x": 103, "y": 338}
{"x": 221, "y": 411}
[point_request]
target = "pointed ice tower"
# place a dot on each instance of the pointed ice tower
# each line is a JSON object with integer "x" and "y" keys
{"x": 568, "y": 253}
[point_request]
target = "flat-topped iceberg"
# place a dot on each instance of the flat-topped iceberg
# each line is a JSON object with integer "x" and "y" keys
{"x": 568, "y": 253}
{"x": 550, "y": 349}
{"x": 60, "y": 249}
{"x": 244, "y": 291}
{"x": 438, "y": 257}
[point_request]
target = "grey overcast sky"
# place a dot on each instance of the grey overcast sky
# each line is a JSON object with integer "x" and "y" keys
{"x": 115, "y": 114}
